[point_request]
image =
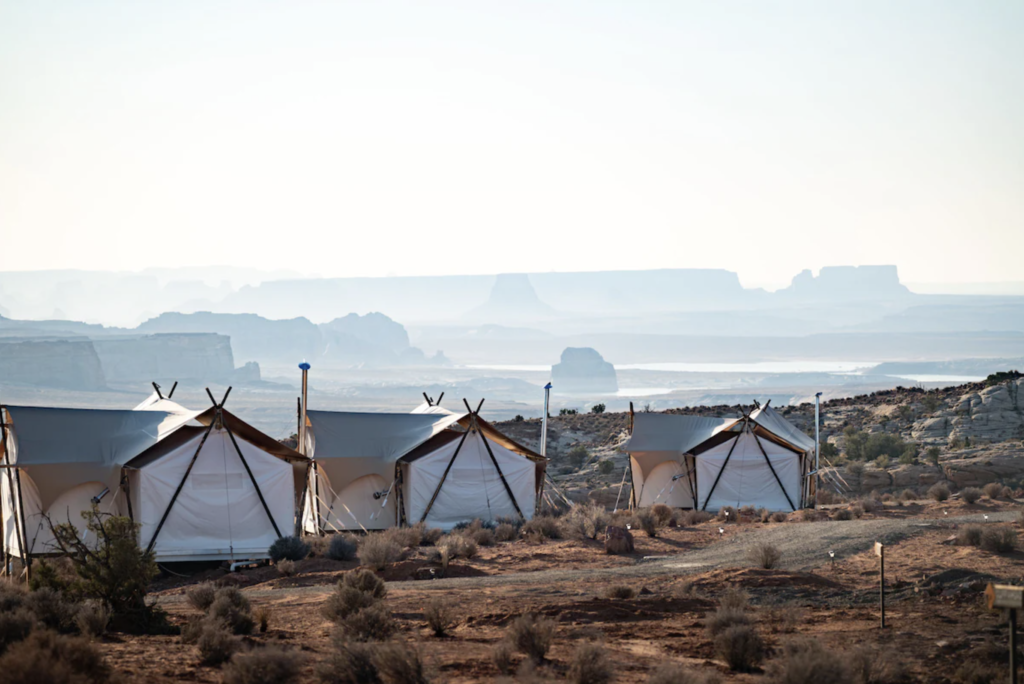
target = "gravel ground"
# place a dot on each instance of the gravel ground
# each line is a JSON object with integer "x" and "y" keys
{"x": 803, "y": 545}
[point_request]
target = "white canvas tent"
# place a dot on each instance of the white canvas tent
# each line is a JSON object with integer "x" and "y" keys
{"x": 379, "y": 470}
{"x": 201, "y": 485}
{"x": 759, "y": 459}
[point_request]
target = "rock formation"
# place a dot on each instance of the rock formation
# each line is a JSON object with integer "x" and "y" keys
{"x": 847, "y": 283}
{"x": 59, "y": 363}
{"x": 512, "y": 299}
{"x": 182, "y": 356}
{"x": 583, "y": 370}
{"x": 992, "y": 414}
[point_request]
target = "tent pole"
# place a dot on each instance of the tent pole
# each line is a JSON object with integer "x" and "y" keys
{"x": 770, "y": 466}
{"x": 399, "y": 502}
{"x": 127, "y": 493}
{"x": 252, "y": 478}
{"x": 540, "y": 488}
{"x": 633, "y": 503}
{"x": 692, "y": 481}
{"x": 27, "y": 558}
{"x": 19, "y": 529}
{"x": 497, "y": 467}
{"x": 444, "y": 477}
{"x": 316, "y": 493}
{"x": 181, "y": 485}
{"x": 735, "y": 441}
{"x": 301, "y": 510}
{"x": 3, "y": 526}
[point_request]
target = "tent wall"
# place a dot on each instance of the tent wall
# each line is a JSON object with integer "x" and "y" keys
{"x": 473, "y": 487}
{"x": 355, "y": 507}
{"x": 747, "y": 480}
{"x": 218, "y": 514}
{"x": 658, "y": 485}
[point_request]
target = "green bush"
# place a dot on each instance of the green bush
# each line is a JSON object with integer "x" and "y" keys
{"x": 342, "y": 548}
{"x": 931, "y": 454}
{"x": 46, "y": 656}
{"x": 741, "y": 647}
{"x": 232, "y": 609}
{"x": 532, "y": 635}
{"x": 605, "y": 466}
{"x": 288, "y": 548}
{"x": 577, "y": 456}
{"x": 597, "y": 408}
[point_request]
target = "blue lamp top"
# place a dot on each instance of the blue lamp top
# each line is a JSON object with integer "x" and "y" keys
{"x": 304, "y": 366}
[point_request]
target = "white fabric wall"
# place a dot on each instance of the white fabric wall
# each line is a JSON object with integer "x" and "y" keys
{"x": 68, "y": 506}
{"x": 658, "y": 486}
{"x": 218, "y": 514}
{"x": 354, "y": 507}
{"x": 471, "y": 485}
{"x": 747, "y": 479}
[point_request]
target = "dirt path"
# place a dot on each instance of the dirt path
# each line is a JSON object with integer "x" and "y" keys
{"x": 803, "y": 545}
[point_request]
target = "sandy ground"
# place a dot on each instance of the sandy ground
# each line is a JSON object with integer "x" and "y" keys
{"x": 936, "y": 617}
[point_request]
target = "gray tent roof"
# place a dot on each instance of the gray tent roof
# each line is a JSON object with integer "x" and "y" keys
{"x": 672, "y": 432}
{"x": 51, "y": 436}
{"x": 383, "y": 436}
{"x": 772, "y": 421}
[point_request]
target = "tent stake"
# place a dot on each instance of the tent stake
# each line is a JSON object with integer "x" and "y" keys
{"x": 772, "y": 468}
{"x": 181, "y": 485}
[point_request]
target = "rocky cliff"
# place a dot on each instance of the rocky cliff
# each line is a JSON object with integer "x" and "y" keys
{"x": 253, "y": 338}
{"x": 59, "y": 363}
{"x": 581, "y": 370}
{"x": 847, "y": 283}
{"x": 512, "y": 300}
{"x": 203, "y": 357}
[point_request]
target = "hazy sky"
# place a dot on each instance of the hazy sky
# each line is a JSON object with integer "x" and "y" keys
{"x": 369, "y": 138}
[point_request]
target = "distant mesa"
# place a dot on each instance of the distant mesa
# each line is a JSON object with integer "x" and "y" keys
{"x": 848, "y": 283}
{"x": 582, "y": 370}
{"x": 512, "y": 298}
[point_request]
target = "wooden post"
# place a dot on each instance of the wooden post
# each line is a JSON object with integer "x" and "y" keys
{"x": 880, "y": 552}
{"x": 1009, "y": 598}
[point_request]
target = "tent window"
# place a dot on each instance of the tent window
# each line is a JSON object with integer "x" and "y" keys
{"x": 235, "y": 481}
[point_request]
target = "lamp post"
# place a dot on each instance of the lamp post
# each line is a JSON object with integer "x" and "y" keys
{"x": 817, "y": 444}
{"x": 544, "y": 421}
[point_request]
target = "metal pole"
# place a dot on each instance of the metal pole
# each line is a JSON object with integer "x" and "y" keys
{"x": 305, "y": 397}
{"x": 817, "y": 445}
{"x": 1013, "y": 646}
{"x": 881, "y": 584}
{"x": 544, "y": 422}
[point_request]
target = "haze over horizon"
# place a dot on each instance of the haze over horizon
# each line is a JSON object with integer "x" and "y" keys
{"x": 357, "y": 139}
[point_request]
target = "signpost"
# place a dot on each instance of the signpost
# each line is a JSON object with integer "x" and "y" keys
{"x": 880, "y": 552}
{"x": 1009, "y": 598}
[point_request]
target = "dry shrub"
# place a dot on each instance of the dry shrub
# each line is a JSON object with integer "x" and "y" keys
{"x": 723, "y": 619}
{"x": 842, "y": 514}
{"x": 431, "y": 536}
{"x": 53, "y": 609}
{"x": 201, "y": 596}
{"x": 971, "y": 495}
{"x": 262, "y": 616}
{"x": 532, "y": 635}
{"x": 404, "y": 537}
{"x": 620, "y": 591}
{"x": 374, "y": 623}
{"x": 784, "y": 617}
{"x": 584, "y": 521}
{"x": 482, "y": 537}
{"x": 869, "y": 504}
{"x": 618, "y": 540}
{"x": 969, "y": 535}
{"x": 45, "y": 656}
{"x": 663, "y": 513}
{"x": 216, "y": 643}
{"x": 503, "y": 656}
{"x": 908, "y": 495}
{"x": 350, "y": 662}
{"x": 806, "y": 661}
{"x": 671, "y": 673}
{"x": 765, "y": 555}
{"x": 779, "y": 516}
{"x": 728, "y": 514}
{"x": 542, "y": 527}
{"x": 876, "y": 666}
{"x": 15, "y": 625}
{"x": 506, "y": 532}
{"x": 318, "y": 546}
{"x": 289, "y": 548}
{"x": 285, "y": 568}
{"x": 345, "y": 601}
{"x": 806, "y": 515}
{"x": 590, "y": 665}
{"x": 440, "y": 616}
{"x": 741, "y": 647}
{"x": 269, "y": 665}
{"x": 343, "y": 547}
{"x": 887, "y": 497}
{"x": 857, "y": 511}
{"x": 457, "y": 546}
{"x": 379, "y": 551}
{"x": 92, "y": 618}
{"x": 232, "y": 609}
{"x": 976, "y": 672}
{"x": 993, "y": 490}
{"x": 400, "y": 664}
{"x": 735, "y": 598}
{"x": 696, "y": 517}
{"x": 1006, "y": 493}
{"x": 366, "y": 582}
{"x": 648, "y": 522}
{"x": 1001, "y": 540}
{"x": 192, "y": 628}
{"x": 938, "y": 492}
